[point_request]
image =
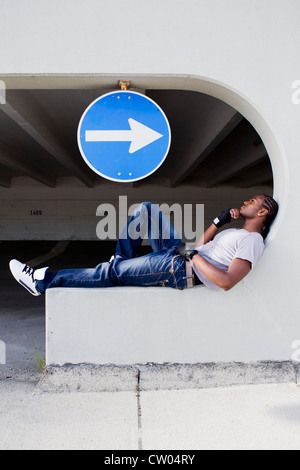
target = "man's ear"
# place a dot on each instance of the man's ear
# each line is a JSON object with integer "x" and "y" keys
{"x": 263, "y": 212}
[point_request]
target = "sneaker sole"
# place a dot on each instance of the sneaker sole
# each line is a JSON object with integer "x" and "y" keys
{"x": 28, "y": 289}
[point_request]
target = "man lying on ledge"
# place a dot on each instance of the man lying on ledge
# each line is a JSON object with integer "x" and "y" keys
{"x": 218, "y": 261}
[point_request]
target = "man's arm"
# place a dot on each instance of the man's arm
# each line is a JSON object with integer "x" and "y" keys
{"x": 208, "y": 236}
{"x": 237, "y": 271}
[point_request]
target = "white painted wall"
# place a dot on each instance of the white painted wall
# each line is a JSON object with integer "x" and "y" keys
{"x": 247, "y": 54}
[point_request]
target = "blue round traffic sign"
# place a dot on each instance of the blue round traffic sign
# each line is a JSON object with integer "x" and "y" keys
{"x": 124, "y": 136}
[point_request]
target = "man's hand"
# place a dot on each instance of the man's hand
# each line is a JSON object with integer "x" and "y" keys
{"x": 185, "y": 253}
{"x": 235, "y": 214}
{"x": 226, "y": 217}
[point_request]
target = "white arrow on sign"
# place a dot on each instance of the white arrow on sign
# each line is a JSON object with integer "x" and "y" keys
{"x": 140, "y": 136}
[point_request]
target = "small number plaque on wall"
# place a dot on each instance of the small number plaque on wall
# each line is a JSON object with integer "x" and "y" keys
{"x": 36, "y": 213}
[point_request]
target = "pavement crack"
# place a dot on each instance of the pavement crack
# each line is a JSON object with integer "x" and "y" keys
{"x": 139, "y": 412}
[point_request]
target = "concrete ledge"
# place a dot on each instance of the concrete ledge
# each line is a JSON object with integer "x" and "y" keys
{"x": 137, "y": 325}
{"x": 89, "y": 378}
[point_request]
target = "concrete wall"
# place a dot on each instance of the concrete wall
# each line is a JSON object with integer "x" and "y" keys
{"x": 30, "y": 211}
{"x": 241, "y": 52}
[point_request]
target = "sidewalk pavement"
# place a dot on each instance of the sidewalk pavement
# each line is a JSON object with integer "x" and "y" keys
{"x": 265, "y": 417}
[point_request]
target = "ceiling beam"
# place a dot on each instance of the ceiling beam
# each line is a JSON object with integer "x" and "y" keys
{"x": 246, "y": 159}
{"x": 254, "y": 182}
{"x": 153, "y": 180}
{"x": 221, "y": 123}
{"x": 5, "y": 182}
{"x": 30, "y": 117}
{"x": 10, "y": 162}
{"x": 258, "y": 175}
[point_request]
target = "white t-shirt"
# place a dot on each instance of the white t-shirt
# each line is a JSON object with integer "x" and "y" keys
{"x": 228, "y": 245}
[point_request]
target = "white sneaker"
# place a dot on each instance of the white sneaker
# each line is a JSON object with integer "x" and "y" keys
{"x": 27, "y": 276}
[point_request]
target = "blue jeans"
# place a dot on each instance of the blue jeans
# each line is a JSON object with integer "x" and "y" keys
{"x": 162, "y": 267}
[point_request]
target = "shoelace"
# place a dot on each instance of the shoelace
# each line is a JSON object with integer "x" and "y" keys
{"x": 29, "y": 272}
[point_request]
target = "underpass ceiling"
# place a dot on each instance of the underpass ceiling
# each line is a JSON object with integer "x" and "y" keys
{"x": 211, "y": 143}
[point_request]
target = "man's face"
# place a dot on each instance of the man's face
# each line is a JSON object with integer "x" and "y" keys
{"x": 251, "y": 208}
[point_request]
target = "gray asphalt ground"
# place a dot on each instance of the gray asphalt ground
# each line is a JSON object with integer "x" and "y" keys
{"x": 265, "y": 417}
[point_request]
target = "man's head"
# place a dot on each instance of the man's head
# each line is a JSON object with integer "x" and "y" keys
{"x": 262, "y": 208}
